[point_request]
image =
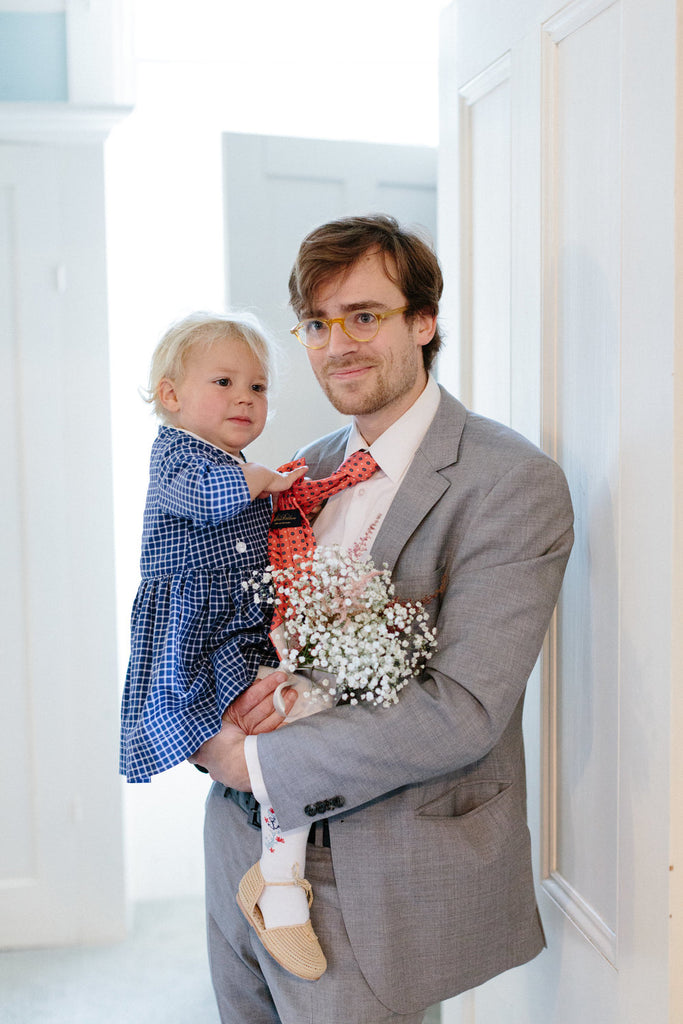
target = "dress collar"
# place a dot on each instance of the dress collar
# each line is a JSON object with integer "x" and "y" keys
{"x": 190, "y": 433}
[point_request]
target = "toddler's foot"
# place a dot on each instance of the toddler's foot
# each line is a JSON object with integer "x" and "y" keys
{"x": 293, "y": 944}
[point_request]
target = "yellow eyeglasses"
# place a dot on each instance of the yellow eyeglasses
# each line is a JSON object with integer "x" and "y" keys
{"x": 360, "y": 325}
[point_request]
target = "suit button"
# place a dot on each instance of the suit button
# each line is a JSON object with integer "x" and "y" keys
{"x": 310, "y": 810}
{"x": 321, "y": 807}
{"x": 337, "y": 801}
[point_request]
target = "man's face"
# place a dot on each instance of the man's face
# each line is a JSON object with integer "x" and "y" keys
{"x": 375, "y": 381}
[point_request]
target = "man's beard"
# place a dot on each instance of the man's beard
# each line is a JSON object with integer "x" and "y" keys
{"x": 385, "y": 390}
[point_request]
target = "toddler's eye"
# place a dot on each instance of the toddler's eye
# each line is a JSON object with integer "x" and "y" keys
{"x": 261, "y": 388}
{"x": 223, "y": 382}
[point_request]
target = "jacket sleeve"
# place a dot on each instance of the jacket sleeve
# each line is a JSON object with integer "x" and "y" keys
{"x": 492, "y": 616}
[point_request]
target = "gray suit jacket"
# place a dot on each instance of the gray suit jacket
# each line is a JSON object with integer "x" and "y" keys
{"x": 431, "y": 848}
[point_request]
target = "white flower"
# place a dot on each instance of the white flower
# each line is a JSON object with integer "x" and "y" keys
{"x": 339, "y": 613}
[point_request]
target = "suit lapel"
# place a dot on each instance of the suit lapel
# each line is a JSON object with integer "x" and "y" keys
{"x": 423, "y": 485}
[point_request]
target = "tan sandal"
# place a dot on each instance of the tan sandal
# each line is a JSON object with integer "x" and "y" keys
{"x": 294, "y": 946}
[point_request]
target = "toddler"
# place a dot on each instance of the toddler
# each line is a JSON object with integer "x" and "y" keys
{"x": 198, "y": 638}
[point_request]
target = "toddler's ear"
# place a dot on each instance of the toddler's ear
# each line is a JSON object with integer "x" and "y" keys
{"x": 167, "y": 395}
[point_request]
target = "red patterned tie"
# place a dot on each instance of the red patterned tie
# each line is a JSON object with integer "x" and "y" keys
{"x": 291, "y": 534}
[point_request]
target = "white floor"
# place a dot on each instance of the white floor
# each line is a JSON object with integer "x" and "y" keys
{"x": 159, "y": 975}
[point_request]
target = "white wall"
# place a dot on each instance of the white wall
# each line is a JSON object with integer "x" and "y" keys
{"x": 202, "y": 68}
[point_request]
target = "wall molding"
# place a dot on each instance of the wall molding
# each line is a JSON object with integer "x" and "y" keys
{"x": 558, "y": 889}
{"x": 573, "y": 17}
{"x": 590, "y": 924}
{"x": 60, "y": 123}
{"x": 488, "y": 80}
{"x": 469, "y": 95}
{"x": 553, "y": 883}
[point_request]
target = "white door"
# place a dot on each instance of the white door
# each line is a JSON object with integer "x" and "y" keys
{"x": 278, "y": 189}
{"x": 557, "y": 234}
{"x": 61, "y": 872}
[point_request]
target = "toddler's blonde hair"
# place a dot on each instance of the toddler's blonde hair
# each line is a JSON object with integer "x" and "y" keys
{"x": 202, "y": 328}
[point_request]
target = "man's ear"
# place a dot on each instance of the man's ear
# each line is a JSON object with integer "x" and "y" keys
{"x": 167, "y": 395}
{"x": 424, "y": 325}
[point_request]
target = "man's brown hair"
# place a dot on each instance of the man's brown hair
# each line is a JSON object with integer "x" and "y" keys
{"x": 335, "y": 247}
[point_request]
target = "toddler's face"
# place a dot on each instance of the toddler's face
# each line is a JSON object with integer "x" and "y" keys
{"x": 222, "y": 395}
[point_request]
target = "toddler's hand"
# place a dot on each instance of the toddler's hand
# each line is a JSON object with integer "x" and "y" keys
{"x": 263, "y": 482}
{"x": 282, "y": 481}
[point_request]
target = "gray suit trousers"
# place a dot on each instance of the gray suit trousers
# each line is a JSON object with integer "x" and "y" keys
{"x": 250, "y": 986}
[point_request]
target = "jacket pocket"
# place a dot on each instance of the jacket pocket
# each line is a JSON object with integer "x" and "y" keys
{"x": 481, "y": 822}
{"x": 467, "y": 798}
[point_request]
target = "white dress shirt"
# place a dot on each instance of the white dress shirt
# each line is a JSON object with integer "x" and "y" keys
{"x": 348, "y": 515}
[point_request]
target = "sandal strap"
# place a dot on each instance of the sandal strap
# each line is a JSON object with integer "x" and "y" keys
{"x": 297, "y": 879}
{"x": 304, "y": 884}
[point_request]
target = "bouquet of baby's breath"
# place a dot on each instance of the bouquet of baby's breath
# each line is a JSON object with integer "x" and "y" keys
{"x": 339, "y": 615}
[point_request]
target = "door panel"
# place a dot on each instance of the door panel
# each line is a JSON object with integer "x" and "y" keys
{"x": 575, "y": 348}
{"x": 278, "y": 189}
{"x": 486, "y": 129}
{"x": 583, "y": 260}
{"x": 61, "y": 871}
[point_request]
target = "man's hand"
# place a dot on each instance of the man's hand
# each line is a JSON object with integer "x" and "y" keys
{"x": 251, "y": 713}
{"x": 223, "y": 757}
{"x": 253, "y": 710}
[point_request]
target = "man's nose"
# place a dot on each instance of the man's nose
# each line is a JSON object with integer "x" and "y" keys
{"x": 339, "y": 341}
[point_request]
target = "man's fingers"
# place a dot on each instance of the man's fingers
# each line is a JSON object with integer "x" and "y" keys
{"x": 253, "y": 710}
{"x": 269, "y": 724}
{"x": 259, "y": 690}
{"x": 264, "y": 717}
{"x": 274, "y": 719}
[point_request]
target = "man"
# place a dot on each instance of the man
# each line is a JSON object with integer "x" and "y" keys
{"x": 422, "y": 878}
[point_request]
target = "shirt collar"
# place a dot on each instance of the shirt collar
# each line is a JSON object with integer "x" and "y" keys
{"x": 393, "y": 450}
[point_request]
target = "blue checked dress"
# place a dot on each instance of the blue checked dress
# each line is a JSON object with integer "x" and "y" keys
{"x": 197, "y": 635}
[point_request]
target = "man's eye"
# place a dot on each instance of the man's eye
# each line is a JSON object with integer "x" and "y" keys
{"x": 223, "y": 382}
{"x": 315, "y": 326}
{"x": 365, "y": 318}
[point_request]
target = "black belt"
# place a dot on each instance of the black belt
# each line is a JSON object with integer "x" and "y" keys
{"x": 319, "y": 834}
{"x": 246, "y": 802}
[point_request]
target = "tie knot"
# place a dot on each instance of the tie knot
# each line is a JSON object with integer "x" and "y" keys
{"x": 359, "y": 466}
{"x": 308, "y": 493}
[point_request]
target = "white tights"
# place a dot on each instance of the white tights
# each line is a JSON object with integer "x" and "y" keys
{"x": 283, "y": 854}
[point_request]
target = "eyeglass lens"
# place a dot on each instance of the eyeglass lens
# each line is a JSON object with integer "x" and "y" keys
{"x": 361, "y": 325}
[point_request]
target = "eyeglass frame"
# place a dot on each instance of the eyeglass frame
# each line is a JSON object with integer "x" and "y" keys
{"x": 340, "y": 320}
